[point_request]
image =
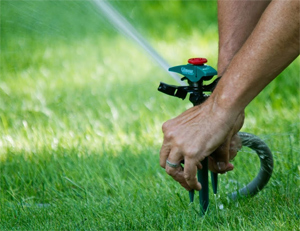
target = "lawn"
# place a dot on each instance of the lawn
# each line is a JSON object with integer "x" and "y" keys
{"x": 80, "y": 123}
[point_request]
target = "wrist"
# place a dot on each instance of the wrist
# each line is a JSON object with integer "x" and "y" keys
{"x": 226, "y": 100}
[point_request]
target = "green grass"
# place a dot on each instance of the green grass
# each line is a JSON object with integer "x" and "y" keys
{"x": 80, "y": 123}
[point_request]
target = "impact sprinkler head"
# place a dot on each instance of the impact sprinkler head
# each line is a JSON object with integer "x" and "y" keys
{"x": 196, "y": 72}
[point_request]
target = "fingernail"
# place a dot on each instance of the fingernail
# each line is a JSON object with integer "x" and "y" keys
{"x": 221, "y": 166}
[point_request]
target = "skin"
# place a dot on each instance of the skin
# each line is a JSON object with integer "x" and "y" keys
{"x": 236, "y": 19}
{"x": 259, "y": 54}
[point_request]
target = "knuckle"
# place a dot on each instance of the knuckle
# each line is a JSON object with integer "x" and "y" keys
{"x": 168, "y": 130}
{"x": 169, "y": 135}
{"x": 165, "y": 126}
{"x": 177, "y": 142}
{"x": 190, "y": 153}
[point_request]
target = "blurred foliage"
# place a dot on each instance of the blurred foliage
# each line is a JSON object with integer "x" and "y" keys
{"x": 30, "y": 30}
{"x": 49, "y": 35}
{"x": 57, "y": 19}
{"x": 171, "y": 19}
{"x": 73, "y": 19}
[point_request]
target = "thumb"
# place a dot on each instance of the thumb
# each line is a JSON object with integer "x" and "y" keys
{"x": 219, "y": 159}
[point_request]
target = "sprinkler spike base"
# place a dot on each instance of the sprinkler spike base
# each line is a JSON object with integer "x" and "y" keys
{"x": 214, "y": 181}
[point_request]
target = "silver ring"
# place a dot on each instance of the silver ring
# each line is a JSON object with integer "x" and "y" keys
{"x": 172, "y": 165}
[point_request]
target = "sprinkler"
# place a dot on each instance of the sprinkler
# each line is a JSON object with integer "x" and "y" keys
{"x": 197, "y": 74}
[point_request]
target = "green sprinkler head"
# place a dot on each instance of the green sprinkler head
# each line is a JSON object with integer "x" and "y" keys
{"x": 195, "y": 72}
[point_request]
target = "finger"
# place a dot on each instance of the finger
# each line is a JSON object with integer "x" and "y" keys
{"x": 175, "y": 158}
{"x": 190, "y": 174}
{"x": 216, "y": 166}
{"x": 219, "y": 160}
{"x": 199, "y": 165}
{"x": 176, "y": 173}
{"x": 163, "y": 155}
{"x": 235, "y": 146}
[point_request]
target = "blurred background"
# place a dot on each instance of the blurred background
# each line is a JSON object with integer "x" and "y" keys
{"x": 64, "y": 66}
{"x": 58, "y": 57}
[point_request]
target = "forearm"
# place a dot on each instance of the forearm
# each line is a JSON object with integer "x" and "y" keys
{"x": 236, "y": 21}
{"x": 272, "y": 46}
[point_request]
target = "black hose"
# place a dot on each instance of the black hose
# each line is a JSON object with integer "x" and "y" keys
{"x": 266, "y": 166}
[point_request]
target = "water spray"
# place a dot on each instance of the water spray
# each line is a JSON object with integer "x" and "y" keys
{"x": 127, "y": 29}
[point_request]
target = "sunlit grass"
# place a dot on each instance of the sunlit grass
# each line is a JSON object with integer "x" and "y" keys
{"x": 80, "y": 133}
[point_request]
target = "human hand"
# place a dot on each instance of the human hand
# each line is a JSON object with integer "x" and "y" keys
{"x": 195, "y": 134}
{"x": 219, "y": 160}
